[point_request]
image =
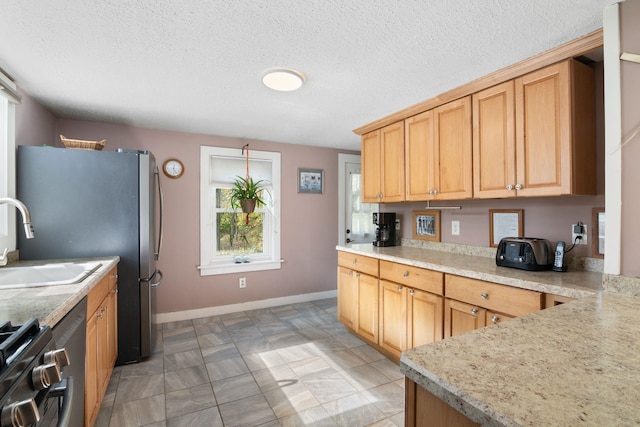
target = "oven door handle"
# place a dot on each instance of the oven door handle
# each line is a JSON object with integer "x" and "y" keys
{"x": 65, "y": 389}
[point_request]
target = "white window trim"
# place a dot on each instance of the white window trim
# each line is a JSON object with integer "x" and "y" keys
{"x": 208, "y": 221}
{"x": 7, "y": 164}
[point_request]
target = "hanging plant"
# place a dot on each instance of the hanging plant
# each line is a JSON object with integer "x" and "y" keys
{"x": 246, "y": 194}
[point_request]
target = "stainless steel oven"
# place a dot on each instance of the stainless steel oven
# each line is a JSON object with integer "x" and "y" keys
{"x": 32, "y": 389}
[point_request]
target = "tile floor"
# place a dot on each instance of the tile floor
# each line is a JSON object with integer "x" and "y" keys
{"x": 292, "y": 365}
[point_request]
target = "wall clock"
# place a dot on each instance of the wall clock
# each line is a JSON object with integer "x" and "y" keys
{"x": 173, "y": 168}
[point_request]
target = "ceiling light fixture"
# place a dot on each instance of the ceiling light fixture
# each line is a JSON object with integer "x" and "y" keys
{"x": 283, "y": 79}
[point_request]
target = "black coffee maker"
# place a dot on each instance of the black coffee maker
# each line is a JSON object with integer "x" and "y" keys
{"x": 386, "y": 228}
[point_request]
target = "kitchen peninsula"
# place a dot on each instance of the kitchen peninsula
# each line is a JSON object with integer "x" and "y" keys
{"x": 570, "y": 364}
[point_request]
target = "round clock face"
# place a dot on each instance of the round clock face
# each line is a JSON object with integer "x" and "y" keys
{"x": 173, "y": 168}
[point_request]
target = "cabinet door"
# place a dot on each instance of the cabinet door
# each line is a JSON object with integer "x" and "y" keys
{"x": 91, "y": 402}
{"x": 393, "y": 317}
{"x": 368, "y": 307}
{"x": 104, "y": 358}
{"x": 425, "y": 315}
{"x": 543, "y": 131}
{"x": 493, "y": 317}
{"x": 347, "y": 298}
{"x": 452, "y": 133}
{"x": 420, "y": 164}
{"x": 371, "y": 173}
{"x": 392, "y": 157}
{"x": 460, "y": 318}
{"x": 112, "y": 325}
{"x": 494, "y": 144}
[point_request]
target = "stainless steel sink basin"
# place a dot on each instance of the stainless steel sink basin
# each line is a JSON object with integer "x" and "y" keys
{"x": 63, "y": 273}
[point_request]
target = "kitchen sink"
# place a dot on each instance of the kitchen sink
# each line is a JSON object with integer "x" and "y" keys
{"x": 62, "y": 273}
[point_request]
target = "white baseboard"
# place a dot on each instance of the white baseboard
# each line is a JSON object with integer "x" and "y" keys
{"x": 245, "y": 306}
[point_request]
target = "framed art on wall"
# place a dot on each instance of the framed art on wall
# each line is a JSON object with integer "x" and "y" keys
{"x": 505, "y": 223}
{"x": 426, "y": 225}
{"x": 311, "y": 181}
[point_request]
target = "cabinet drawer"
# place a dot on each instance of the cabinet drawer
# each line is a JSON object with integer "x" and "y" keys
{"x": 415, "y": 277}
{"x": 502, "y": 298}
{"x": 360, "y": 263}
{"x": 100, "y": 291}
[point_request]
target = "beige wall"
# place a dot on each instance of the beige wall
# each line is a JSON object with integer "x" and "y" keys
{"x": 630, "y": 84}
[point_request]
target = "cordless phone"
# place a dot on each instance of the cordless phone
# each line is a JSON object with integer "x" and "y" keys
{"x": 558, "y": 261}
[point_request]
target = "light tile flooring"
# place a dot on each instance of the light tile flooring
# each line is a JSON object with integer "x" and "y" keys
{"x": 292, "y": 365}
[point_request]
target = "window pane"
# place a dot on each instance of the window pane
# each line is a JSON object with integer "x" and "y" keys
{"x": 235, "y": 236}
{"x": 223, "y": 195}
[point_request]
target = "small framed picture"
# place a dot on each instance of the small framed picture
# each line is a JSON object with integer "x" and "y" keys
{"x": 311, "y": 181}
{"x": 426, "y": 225}
{"x": 505, "y": 223}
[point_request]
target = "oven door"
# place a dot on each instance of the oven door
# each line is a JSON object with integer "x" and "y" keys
{"x": 55, "y": 408}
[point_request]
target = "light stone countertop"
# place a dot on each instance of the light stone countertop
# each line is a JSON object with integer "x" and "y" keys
{"x": 573, "y": 364}
{"x": 49, "y": 304}
{"x": 573, "y": 284}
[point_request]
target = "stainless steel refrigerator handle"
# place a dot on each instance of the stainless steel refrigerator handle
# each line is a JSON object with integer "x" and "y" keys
{"x": 160, "y": 199}
{"x": 157, "y": 283}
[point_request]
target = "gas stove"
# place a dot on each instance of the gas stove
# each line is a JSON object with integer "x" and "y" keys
{"x": 32, "y": 391}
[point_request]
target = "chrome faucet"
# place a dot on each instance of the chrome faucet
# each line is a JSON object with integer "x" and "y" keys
{"x": 26, "y": 222}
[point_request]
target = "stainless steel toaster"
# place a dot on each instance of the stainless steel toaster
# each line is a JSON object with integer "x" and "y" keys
{"x": 525, "y": 253}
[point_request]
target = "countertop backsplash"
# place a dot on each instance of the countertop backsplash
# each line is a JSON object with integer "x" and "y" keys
{"x": 574, "y": 263}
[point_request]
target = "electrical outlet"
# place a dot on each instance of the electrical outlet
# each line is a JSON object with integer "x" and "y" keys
{"x": 455, "y": 228}
{"x": 579, "y": 230}
{"x": 242, "y": 282}
{"x": 397, "y": 225}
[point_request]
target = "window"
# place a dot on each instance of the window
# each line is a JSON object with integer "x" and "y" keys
{"x": 8, "y": 99}
{"x": 231, "y": 241}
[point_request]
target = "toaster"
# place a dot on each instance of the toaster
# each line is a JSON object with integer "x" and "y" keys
{"x": 525, "y": 253}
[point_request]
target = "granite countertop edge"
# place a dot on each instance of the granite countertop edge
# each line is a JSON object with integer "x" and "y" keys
{"x": 51, "y": 310}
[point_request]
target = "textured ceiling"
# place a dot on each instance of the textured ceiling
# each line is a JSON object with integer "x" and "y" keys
{"x": 196, "y": 66}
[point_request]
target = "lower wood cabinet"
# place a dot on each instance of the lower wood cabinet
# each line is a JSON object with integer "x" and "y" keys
{"x": 102, "y": 339}
{"x": 423, "y": 409}
{"x": 471, "y": 304}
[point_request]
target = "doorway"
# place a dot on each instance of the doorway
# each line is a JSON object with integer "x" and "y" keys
{"x": 355, "y": 223}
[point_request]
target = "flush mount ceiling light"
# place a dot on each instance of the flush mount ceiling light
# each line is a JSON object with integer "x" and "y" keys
{"x": 283, "y": 79}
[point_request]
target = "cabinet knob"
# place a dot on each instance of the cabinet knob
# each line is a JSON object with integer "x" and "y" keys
{"x": 509, "y": 187}
{"x": 484, "y": 295}
{"x": 399, "y": 288}
{"x": 357, "y": 274}
{"x": 412, "y": 292}
{"x": 495, "y": 319}
{"x": 518, "y": 187}
{"x": 474, "y": 311}
{"x": 355, "y": 261}
{"x": 406, "y": 274}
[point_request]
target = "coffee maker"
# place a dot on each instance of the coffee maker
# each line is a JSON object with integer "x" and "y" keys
{"x": 386, "y": 228}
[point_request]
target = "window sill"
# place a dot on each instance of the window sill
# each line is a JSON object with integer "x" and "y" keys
{"x": 211, "y": 270}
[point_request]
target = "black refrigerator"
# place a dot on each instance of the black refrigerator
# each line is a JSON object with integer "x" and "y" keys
{"x": 87, "y": 203}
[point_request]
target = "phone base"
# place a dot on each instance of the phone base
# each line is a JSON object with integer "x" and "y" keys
{"x": 560, "y": 269}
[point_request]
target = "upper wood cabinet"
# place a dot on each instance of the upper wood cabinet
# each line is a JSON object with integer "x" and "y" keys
{"x": 555, "y": 131}
{"x": 535, "y": 135}
{"x": 419, "y": 152}
{"x": 451, "y": 160}
{"x": 438, "y": 153}
{"x": 494, "y": 142}
{"x": 383, "y": 164}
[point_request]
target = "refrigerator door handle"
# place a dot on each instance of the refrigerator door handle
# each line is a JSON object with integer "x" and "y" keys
{"x": 158, "y": 281}
{"x": 160, "y": 199}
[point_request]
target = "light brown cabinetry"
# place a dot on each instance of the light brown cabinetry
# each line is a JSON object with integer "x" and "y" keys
{"x": 471, "y": 304}
{"x": 358, "y": 294}
{"x": 419, "y": 154}
{"x": 102, "y": 351}
{"x": 494, "y": 142}
{"x": 438, "y": 153}
{"x": 535, "y": 135}
{"x": 383, "y": 164}
{"x": 411, "y": 307}
{"x": 555, "y": 131}
{"x": 453, "y": 177}
{"x": 425, "y": 409}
